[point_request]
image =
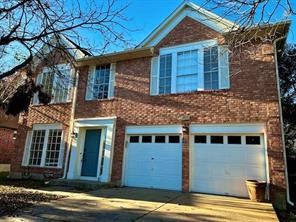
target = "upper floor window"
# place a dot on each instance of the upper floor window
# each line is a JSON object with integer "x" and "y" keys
{"x": 57, "y": 82}
{"x": 190, "y": 67}
{"x": 100, "y": 83}
{"x": 44, "y": 146}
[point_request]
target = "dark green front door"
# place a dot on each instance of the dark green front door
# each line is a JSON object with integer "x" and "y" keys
{"x": 91, "y": 153}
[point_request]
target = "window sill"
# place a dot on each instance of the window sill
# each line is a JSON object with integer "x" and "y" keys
{"x": 40, "y": 167}
{"x": 100, "y": 100}
{"x": 60, "y": 103}
{"x": 194, "y": 92}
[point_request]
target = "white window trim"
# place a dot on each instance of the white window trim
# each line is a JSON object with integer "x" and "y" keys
{"x": 39, "y": 79}
{"x": 45, "y": 127}
{"x": 188, "y": 47}
{"x": 91, "y": 81}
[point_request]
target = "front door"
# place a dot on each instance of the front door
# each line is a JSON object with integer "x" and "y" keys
{"x": 90, "y": 158}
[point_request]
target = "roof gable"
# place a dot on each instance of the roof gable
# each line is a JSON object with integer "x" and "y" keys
{"x": 193, "y": 11}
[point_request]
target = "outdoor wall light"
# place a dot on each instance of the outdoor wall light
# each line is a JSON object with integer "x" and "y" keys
{"x": 14, "y": 135}
{"x": 74, "y": 135}
{"x": 185, "y": 129}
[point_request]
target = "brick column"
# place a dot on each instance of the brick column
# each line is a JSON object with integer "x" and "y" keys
{"x": 185, "y": 159}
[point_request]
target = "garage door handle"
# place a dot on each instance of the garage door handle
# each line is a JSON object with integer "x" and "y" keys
{"x": 152, "y": 158}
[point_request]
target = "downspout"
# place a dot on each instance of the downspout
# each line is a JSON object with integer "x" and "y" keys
{"x": 281, "y": 119}
{"x": 71, "y": 124}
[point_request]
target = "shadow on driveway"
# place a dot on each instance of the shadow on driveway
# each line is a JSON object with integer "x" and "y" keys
{"x": 135, "y": 204}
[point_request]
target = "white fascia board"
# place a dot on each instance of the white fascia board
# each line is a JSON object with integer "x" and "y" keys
{"x": 228, "y": 128}
{"x": 154, "y": 129}
{"x": 193, "y": 11}
{"x": 94, "y": 122}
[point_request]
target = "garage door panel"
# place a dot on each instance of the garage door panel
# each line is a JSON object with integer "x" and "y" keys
{"x": 153, "y": 165}
{"x": 256, "y": 173}
{"x": 223, "y": 168}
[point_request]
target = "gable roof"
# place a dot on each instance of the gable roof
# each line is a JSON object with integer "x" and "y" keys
{"x": 193, "y": 11}
{"x": 74, "y": 50}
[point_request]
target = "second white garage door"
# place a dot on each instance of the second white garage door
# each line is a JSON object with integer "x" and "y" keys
{"x": 153, "y": 161}
{"x": 220, "y": 164}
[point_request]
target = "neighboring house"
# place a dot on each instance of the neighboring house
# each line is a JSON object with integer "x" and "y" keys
{"x": 174, "y": 113}
{"x": 6, "y": 148}
{"x": 8, "y": 127}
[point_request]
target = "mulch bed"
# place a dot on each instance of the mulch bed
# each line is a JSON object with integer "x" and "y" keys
{"x": 15, "y": 198}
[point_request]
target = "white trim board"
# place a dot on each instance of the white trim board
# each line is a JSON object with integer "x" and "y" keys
{"x": 228, "y": 128}
{"x": 193, "y": 11}
{"x": 154, "y": 129}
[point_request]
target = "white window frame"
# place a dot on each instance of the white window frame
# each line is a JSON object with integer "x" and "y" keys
{"x": 39, "y": 80}
{"x": 27, "y": 149}
{"x": 91, "y": 80}
{"x": 200, "y": 46}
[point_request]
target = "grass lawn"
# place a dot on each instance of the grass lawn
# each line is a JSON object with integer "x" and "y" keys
{"x": 15, "y": 196}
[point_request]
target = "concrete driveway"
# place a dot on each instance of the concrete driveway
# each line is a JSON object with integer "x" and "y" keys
{"x": 134, "y": 204}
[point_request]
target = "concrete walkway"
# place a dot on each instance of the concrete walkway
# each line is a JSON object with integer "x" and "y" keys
{"x": 133, "y": 204}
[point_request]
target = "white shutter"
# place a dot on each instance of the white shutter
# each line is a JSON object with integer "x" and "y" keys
{"x": 224, "y": 82}
{"x": 26, "y": 154}
{"x": 154, "y": 76}
{"x": 38, "y": 81}
{"x": 112, "y": 80}
{"x": 90, "y": 83}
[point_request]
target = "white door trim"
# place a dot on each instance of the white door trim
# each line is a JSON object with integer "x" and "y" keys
{"x": 108, "y": 125}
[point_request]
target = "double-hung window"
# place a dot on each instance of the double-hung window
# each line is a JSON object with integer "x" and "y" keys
{"x": 57, "y": 82}
{"x": 190, "y": 67}
{"x": 44, "y": 146}
{"x": 100, "y": 83}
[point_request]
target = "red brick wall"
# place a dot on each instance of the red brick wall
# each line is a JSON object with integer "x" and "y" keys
{"x": 41, "y": 114}
{"x": 6, "y": 145}
{"x": 252, "y": 97}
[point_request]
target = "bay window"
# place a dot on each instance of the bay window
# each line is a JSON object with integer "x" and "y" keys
{"x": 190, "y": 67}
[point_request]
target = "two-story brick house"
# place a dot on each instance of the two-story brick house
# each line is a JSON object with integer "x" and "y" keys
{"x": 174, "y": 113}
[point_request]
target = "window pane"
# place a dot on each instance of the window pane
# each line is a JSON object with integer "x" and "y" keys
{"x": 174, "y": 139}
{"x": 36, "y": 147}
{"x": 187, "y": 71}
{"x": 253, "y": 140}
{"x": 211, "y": 68}
{"x": 234, "y": 140}
{"x": 101, "y": 82}
{"x": 165, "y": 73}
{"x": 217, "y": 139}
{"x": 53, "y": 148}
{"x": 62, "y": 82}
{"x": 47, "y": 82}
{"x": 146, "y": 139}
{"x": 159, "y": 139}
{"x": 200, "y": 139}
{"x": 134, "y": 139}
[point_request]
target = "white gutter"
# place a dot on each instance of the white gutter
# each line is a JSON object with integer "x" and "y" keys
{"x": 281, "y": 119}
{"x": 71, "y": 124}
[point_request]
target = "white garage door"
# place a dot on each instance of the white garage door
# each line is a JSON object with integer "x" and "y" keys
{"x": 153, "y": 161}
{"x": 220, "y": 164}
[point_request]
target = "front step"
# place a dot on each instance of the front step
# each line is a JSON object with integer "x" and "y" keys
{"x": 78, "y": 184}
